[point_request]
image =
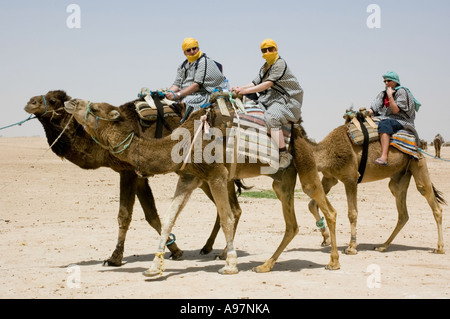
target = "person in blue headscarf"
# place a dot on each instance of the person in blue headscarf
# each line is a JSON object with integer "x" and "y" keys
{"x": 396, "y": 107}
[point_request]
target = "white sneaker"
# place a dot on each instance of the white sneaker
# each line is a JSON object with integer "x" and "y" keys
{"x": 285, "y": 159}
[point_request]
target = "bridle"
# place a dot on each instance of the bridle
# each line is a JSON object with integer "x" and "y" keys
{"x": 119, "y": 148}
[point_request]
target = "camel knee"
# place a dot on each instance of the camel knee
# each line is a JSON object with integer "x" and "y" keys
{"x": 423, "y": 189}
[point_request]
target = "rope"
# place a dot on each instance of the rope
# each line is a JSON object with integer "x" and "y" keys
{"x": 161, "y": 257}
{"x": 442, "y": 159}
{"x": 199, "y": 130}
{"x": 19, "y": 123}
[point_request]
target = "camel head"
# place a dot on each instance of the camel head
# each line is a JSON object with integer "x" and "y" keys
{"x": 48, "y": 105}
{"x": 104, "y": 122}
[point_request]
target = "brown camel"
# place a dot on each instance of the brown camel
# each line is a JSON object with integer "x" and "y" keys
{"x": 338, "y": 159}
{"x": 79, "y": 148}
{"x": 156, "y": 156}
{"x": 438, "y": 142}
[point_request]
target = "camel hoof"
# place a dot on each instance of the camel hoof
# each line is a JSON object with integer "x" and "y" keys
{"x": 220, "y": 257}
{"x": 381, "y": 249}
{"x": 112, "y": 263}
{"x": 151, "y": 272}
{"x": 177, "y": 255}
{"x": 228, "y": 270}
{"x": 333, "y": 266}
{"x": 205, "y": 250}
{"x": 350, "y": 251}
{"x": 439, "y": 251}
{"x": 261, "y": 269}
{"x": 326, "y": 243}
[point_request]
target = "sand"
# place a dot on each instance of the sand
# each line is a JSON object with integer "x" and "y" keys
{"x": 59, "y": 222}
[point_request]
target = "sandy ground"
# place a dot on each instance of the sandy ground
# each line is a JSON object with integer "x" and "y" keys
{"x": 58, "y": 223}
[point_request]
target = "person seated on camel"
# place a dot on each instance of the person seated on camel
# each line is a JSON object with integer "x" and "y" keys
{"x": 280, "y": 96}
{"x": 196, "y": 78}
{"x": 396, "y": 108}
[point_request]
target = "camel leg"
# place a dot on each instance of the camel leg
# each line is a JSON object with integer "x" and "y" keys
{"x": 419, "y": 170}
{"x": 351, "y": 191}
{"x": 311, "y": 185}
{"x": 147, "y": 201}
{"x": 128, "y": 181}
{"x": 285, "y": 193}
{"x": 208, "y": 247}
{"x": 327, "y": 184}
{"x": 237, "y": 211}
{"x": 218, "y": 188}
{"x": 185, "y": 186}
{"x": 399, "y": 187}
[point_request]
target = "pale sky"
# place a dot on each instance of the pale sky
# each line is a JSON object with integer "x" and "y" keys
{"x": 122, "y": 46}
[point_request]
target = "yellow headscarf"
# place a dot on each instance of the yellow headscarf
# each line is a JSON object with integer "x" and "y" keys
{"x": 190, "y": 43}
{"x": 270, "y": 57}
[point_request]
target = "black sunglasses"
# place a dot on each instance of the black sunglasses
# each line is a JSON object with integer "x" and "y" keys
{"x": 191, "y": 49}
{"x": 271, "y": 49}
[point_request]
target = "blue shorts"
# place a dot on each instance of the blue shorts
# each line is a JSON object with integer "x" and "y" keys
{"x": 389, "y": 126}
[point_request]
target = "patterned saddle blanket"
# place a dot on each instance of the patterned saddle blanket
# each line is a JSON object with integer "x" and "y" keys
{"x": 403, "y": 140}
{"x": 252, "y": 140}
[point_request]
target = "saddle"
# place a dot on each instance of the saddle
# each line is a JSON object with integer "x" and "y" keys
{"x": 154, "y": 108}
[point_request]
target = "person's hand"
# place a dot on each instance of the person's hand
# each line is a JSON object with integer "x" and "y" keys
{"x": 239, "y": 90}
{"x": 170, "y": 96}
{"x": 390, "y": 91}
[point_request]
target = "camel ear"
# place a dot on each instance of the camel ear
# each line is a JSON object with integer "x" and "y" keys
{"x": 113, "y": 115}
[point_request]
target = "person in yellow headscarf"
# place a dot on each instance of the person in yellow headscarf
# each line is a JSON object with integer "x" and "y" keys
{"x": 278, "y": 93}
{"x": 197, "y": 77}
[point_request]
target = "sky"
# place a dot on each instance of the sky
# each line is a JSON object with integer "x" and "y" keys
{"x": 118, "y": 47}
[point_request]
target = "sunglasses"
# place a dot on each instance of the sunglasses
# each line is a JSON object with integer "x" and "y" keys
{"x": 271, "y": 49}
{"x": 387, "y": 81}
{"x": 191, "y": 50}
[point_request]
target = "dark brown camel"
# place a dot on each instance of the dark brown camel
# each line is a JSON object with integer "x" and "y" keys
{"x": 79, "y": 148}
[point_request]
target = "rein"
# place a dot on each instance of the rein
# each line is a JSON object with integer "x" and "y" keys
{"x": 119, "y": 148}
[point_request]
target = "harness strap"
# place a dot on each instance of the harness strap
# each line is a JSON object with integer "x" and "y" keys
{"x": 365, "y": 153}
{"x": 160, "y": 121}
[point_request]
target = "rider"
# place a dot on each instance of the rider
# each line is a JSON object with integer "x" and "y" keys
{"x": 280, "y": 96}
{"x": 396, "y": 107}
{"x": 196, "y": 78}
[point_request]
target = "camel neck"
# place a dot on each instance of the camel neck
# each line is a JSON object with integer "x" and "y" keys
{"x": 152, "y": 156}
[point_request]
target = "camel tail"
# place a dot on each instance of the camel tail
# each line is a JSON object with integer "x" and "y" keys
{"x": 240, "y": 185}
{"x": 439, "y": 196}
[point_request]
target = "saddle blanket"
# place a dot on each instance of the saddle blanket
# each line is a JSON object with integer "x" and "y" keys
{"x": 252, "y": 139}
{"x": 405, "y": 142}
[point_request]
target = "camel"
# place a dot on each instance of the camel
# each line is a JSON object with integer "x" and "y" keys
{"x": 156, "y": 156}
{"x": 338, "y": 159}
{"x": 438, "y": 142}
{"x": 79, "y": 148}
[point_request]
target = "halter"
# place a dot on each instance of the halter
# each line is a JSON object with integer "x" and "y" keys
{"x": 113, "y": 149}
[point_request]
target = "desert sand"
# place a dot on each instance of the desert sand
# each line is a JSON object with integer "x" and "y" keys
{"x": 58, "y": 223}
